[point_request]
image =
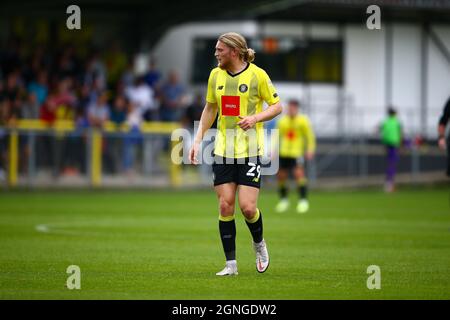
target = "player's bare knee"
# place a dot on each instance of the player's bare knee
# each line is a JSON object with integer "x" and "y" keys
{"x": 282, "y": 175}
{"x": 299, "y": 174}
{"x": 226, "y": 208}
{"x": 248, "y": 211}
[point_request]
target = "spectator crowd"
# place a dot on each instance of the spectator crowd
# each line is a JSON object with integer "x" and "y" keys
{"x": 99, "y": 86}
{"x": 61, "y": 85}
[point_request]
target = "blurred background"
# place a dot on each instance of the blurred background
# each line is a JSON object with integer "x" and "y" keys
{"x": 96, "y": 106}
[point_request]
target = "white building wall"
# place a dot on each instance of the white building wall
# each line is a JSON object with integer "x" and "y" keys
{"x": 174, "y": 51}
{"x": 438, "y": 79}
{"x": 406, "y": 71}
{"x": 364, "y": 65}
{"x": 364, "y": 90}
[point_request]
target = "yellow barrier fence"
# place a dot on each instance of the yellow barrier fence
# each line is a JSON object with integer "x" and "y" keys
{"x": 61, "y": 126}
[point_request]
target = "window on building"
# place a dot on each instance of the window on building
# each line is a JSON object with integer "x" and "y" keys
{"x": 283, "y": 58}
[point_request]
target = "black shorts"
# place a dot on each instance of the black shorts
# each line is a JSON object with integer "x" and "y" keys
{"x": 289, "y": 163}
{"x": 246, "y": 171}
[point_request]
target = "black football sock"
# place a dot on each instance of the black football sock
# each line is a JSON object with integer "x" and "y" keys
{"x": 256, "y": 226}
{"x": 227, "y": 229}
{"x": 303, "y": 192}
{"x": 302, "y": 189}
{"x": 282, "y": 190}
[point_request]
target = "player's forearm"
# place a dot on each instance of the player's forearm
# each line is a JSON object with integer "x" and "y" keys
{"x": 206, "y": 120}
{"x": 270, "y": 113}
{"x": 311, "y": 144}
{"x": 312, "y": 147}
{"x": 441, "y": 131}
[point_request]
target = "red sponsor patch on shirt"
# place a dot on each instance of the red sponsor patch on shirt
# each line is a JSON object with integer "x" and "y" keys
{"x": 290, "y": 135}
{"x": 230, "y": 106}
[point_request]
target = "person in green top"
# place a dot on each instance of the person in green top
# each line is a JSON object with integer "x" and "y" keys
{"x": 391, "y": 137}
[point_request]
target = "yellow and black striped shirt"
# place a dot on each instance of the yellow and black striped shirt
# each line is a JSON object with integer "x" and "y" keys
{"x": 240, "y": 94}
{"x": 296, "y": 136}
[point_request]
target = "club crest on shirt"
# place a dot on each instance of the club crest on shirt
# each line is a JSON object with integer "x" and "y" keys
{"x": 243, "y": 88}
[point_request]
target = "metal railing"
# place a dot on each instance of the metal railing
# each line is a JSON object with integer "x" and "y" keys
{"x": 37, "y": 154}
{"x": 85, "y": 147}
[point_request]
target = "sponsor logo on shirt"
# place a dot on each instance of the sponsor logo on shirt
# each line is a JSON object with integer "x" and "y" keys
{"x": 230, "y": 105}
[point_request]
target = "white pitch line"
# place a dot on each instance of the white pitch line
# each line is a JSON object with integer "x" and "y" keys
{"x": 47, "y": 228}
{"x": 42, "y": 228}
{"x": 84, "y": 228}
{"x": 63, "y": 228}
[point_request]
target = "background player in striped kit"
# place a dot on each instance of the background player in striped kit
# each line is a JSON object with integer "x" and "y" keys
{"x": 297, "y": 142}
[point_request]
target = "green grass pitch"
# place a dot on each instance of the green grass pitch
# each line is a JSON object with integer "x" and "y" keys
{"x": 165, "y": 245}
